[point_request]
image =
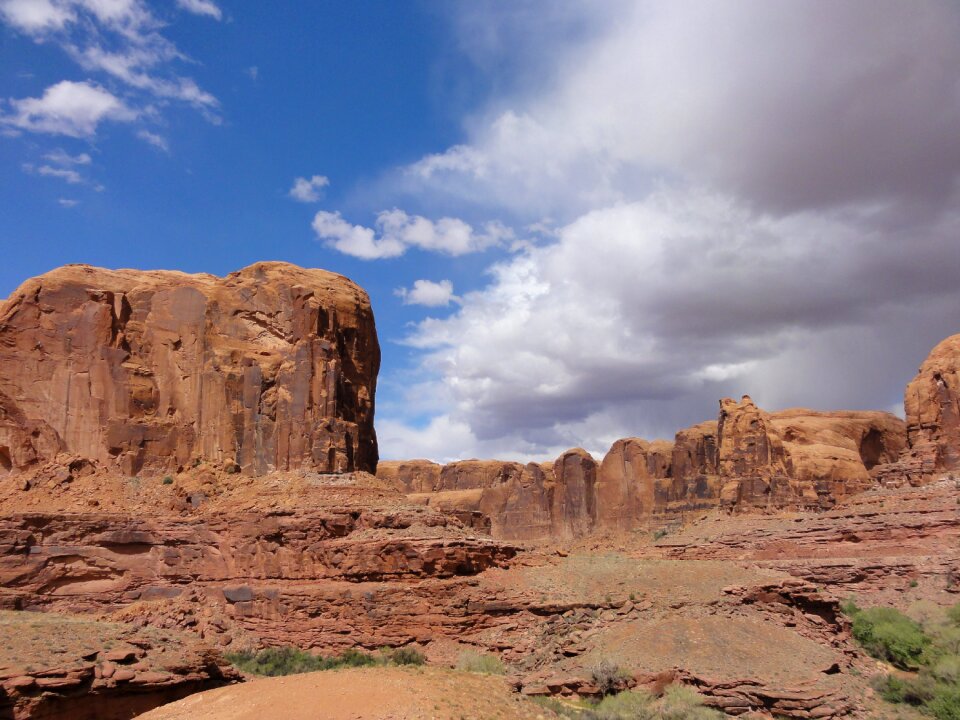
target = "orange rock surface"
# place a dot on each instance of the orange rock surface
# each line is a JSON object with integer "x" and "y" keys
{"x": 273, "y": 367}
{"x": 747, "y": 459}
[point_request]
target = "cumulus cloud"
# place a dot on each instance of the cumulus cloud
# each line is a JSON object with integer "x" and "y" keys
{"x": 396, "y": 231}
{"x": 307, "y": 190}
{"x": 428, "y": 293}
{"x": 201, "y": 7}
{"x": 748, "y": 198}
{"x": 36, "y": 16}
{"x": 68, "y": 108}
{"x": 792, "y": 104}
{"x": 121, "y": 38}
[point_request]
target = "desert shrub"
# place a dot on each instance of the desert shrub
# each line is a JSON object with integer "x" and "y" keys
{"x": 276, "y": 661}
{"x": 935, "y": 688}
{"x": 953, "y": 614}
{"x": 661, "y": 533}
{"x": 407, "y": 656}
{"x": 628, "y": 705}
{"x": 683, "y": 703}
{"x": 472, "y": 661}
{"x": 273, "y": 662}
{"x": 945, "y": 704}
{"x": 607, "y": 676}
{"x": 168, "y": 480}
{"x": 677, "y": 703}
{"x": 888, "y": 634}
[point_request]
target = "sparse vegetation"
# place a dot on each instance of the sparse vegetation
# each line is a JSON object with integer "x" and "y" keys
{"x": 888, "y": 634}
{"x": 168, "y": 480}
{"x": 407, "y": 656}
{"x": 928, "y": 647}
{"x": 607, "y": 676}
{"x": 677, "y": 703}
{"x": 273, "y": 662}
{"x": 472, "y": 661}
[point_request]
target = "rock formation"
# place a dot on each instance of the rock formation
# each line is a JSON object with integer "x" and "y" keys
{"x": 273, "y": 367}
{"x": 746, "y": 459}
{"x": 56, "y": 666}
{"x": 932, "y": 406}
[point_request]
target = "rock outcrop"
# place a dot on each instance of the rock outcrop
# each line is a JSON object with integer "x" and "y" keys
{"x": 932, "y": 406}
{"x": 270, "y": 368}
{"x": 62, "y": 666}
{"x": 747, "y": 459}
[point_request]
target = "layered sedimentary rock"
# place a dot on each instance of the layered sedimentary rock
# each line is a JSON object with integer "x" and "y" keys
{"x": 251, "y": 559}
{"x": 61, "y": 666}
{"x": 270, "y": 368}
{"x": 746, "y": 459}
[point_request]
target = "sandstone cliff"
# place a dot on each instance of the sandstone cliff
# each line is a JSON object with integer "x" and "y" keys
{"x": 273, "y": 367}
{"x": 746, "y": 459}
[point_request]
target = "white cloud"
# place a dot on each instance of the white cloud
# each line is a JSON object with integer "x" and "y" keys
{"x": 35, "y": 16}
{"x": 70, "y": 176}
{"x": 398, "y": 231}
{"x": 68, "y": 202}
{"x": 794, "y": 105}
{"x": 428, "y": 293}
{"x": 308, "y": 190}
{"x": 201, "y": 7}
{"x": 68, "y": 108}
{"x": 121, "y": 38}
{"x": 643, "y": 313}
{"x": 746, "y": 198}
{"x": 61, "y": 157}
{"x": 158, "y": 141}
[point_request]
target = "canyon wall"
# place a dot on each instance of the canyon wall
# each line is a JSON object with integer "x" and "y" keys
{"x": 746, "y": 459}
{"x": 273, "y": 367}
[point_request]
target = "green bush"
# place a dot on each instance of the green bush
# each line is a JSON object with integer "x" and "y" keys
{"x": 273, "y": 662}
{"x": 471, "y": 661}
{"x": 677, "y": 703}
{"x": 888, "y": 634}
{"x": 407, "y": 656}
{"x": 945, "y": 704}
{"x": 168, "y": 480}
{"x": 932, "y": 647}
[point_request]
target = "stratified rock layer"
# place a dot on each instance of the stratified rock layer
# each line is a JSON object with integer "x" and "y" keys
{"x": 747, "y": 459}
{"x": 60, "y": 666}
{"x": 273, "y": 367}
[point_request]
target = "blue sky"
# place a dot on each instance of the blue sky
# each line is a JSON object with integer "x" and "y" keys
{"x": 577, "y": 221}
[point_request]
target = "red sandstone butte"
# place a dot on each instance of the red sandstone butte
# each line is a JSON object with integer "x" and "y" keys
{"x": 273, "y": 367}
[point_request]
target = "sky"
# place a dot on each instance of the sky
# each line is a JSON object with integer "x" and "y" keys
{"x": 577, "y": 220}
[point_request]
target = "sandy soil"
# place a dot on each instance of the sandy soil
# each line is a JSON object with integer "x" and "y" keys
{"x": 380, "y": 693}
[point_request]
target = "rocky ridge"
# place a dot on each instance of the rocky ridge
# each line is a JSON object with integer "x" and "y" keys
{"x": 747, "y": 460}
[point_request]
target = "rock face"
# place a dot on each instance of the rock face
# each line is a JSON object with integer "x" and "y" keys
{"x": 747, "y": 459}
{"x": 932, "y": 405}
{"x": 273, "y": 367}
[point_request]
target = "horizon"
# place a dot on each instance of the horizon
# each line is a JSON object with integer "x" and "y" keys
{"x": 561, "y": 249}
